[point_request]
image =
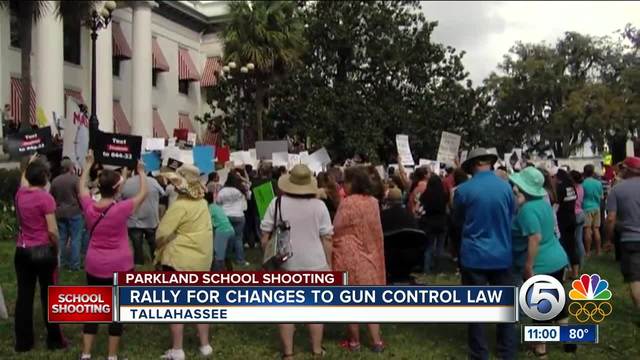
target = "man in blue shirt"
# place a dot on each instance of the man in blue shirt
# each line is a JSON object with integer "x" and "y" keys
{"x": 484, "y": 207}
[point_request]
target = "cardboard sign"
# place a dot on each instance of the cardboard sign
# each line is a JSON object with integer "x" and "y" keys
{"x": 320, "y": 157}
{"x": 449, "y": 146}
{"x": 294, "y": 159}
{"x": 75, "y": 139}
{"x": 304, "y": 157}
{"x": 186, "y": 156}
{"x": 264, "y": 195}
{"x": 29, "y": 142}
{"x": 265, "y": 149}
{"x": 181, "y": 134}
{"x": 241, "y": 158}
{"x": 404, "y": 151}
{"x": 204, "y": 158}
{"x": 117, "y": 149}
{"x": 174, "y": 164}
{"x": 280, "y": 159}
{"x": 152, "y": 161}
{"x": 153, "y": 144}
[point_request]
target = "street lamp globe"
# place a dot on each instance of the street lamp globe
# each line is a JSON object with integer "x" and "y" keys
{"x": 250, "y": 66}
{"x": 104, "y": 12}
{"x": 244, "y": 70}
{"x": 110, "y": 5}
{"x": 226, "y": 68}
{"x": 232, "y": 65}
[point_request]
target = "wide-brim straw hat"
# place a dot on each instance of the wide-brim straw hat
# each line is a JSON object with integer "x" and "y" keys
{"x": 186, "y": 181}
{"x": 476, "y": 155}
{"x": 299, "y": 181}
{"x": 530, "y": 181}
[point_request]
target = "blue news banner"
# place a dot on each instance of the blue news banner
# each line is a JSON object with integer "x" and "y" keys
{"x": 417, "y": 304}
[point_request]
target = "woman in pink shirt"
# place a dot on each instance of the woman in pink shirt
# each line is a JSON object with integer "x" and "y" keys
{"x": 108, "y": 250}
{"x": 35, "y": 258}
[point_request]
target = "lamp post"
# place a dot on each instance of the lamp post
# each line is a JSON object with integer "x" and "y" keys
{"x": 98, "y": 20}
{"x": 241, "y": 73}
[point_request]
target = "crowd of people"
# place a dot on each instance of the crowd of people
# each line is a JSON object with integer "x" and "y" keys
{"x": 500, "y": 227}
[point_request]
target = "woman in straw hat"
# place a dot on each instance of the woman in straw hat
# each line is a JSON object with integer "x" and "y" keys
{"x": 358, "y": 245}
{"x": 537, "y": 249}
{"x": 184, "y": 243}
{"x": 310, "y": 235}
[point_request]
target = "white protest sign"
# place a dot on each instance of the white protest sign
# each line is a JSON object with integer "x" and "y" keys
{"x": 152, "y": 144}
{"x": 424, "y": 162}
{"x": 191, "y": 138}
{"x": 76, "y": 133}
{"x": 448, "y": 150}
{"x": 280, "y": 159}
{"x": 319, "y": 158}
{"x": 463, "y": 156}
{"x": 630, "y": 148}
{"x": 223, "y": 174}
{"x": 241, "y": 158}
{"x": 186, "y": 156}
{"x": 253, "y": 154}
{"x": 170, "y": 152}
{"x": 171, "y": 142}
{"x": 304, "y": 157}
{"x": 404, "y": 151}
{"x": 294, "y": 159}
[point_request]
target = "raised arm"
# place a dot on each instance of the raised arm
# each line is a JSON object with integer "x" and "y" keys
{"x": 83, "y": 189}
{"x": 142, "y": 193}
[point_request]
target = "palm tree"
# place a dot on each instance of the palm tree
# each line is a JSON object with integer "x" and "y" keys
{"x": 28, "y": 13}
{"x": 269, "y": 34}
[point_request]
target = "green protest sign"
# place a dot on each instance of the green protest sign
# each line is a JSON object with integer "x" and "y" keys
{"x": 263, "y": 195}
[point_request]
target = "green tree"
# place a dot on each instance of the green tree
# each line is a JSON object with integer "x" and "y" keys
{"x": 28, "y": 13}
{"x": 269, "y": 34}
{"x": 372, "y": 71}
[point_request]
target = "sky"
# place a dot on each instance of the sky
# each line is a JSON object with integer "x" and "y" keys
{"x": 487, "y": 29}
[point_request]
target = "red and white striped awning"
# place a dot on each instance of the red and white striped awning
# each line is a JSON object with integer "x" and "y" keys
{"x": 16, "y": 101}
{"x": 120, "y": 123}
{"x": 120, "y": 46}
{"x": 159, "y": 131}
{"x": 211, "y": 71}
{"x": 212, "y": 138}
{"x": 157, "y": 57}
{"x": 186, "y": 67}
{"x": 184, "y": 122}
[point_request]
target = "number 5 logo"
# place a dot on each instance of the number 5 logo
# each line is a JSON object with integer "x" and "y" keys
{"x": 542, "y": 297}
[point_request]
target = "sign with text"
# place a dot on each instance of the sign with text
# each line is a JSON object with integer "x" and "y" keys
{"x": 404, "y": 151}
{"x": 117, "y": 149}
{"x": 448, "y": 150}
{"x": 75, "y": 144}
{"x": 29, "y": 142}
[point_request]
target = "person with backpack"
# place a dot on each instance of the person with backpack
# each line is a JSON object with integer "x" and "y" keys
{"x": 108, "y": 249}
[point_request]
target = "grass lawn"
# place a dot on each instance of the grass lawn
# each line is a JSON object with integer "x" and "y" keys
{"x": 618, "y": 335}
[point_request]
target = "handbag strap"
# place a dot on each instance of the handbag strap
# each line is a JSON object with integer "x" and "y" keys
{"x": 102, "y": 215}
{"x": 278, "y": 213}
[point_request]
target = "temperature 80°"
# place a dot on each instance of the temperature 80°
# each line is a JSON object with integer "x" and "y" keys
{"x": 577, "y": 333}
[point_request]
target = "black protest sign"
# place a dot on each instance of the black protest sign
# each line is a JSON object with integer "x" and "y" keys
{"x": 117, "y": 149}
{"x": 29, "y": 141}
{"x": 174, "y": 164}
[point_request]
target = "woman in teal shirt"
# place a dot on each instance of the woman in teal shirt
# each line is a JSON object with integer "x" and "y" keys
{"x": 537, "y": 249}
{"x": 223, "y": 233}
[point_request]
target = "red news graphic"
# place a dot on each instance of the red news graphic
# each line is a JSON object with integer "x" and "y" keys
{"x": 236, "y": 278}
{"x": 80, "y": 304}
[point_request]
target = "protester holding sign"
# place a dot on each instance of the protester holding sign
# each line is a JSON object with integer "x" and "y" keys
{"x": 109, "y": 249}
{"x": 36, "y": 254}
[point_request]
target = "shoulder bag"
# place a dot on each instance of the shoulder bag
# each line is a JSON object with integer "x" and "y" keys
{"x": 278, "y": 249}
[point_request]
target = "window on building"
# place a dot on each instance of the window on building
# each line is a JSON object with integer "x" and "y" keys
{"x": 116, "y": 67}
{"x": 14, "y": 26}
{"x": 154, "y": 78}
{"x": 183, "y": 87}
{"x": 72, "y": 42}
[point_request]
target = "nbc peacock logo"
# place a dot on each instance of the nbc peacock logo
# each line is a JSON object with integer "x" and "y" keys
{"x": 591, "y": 297}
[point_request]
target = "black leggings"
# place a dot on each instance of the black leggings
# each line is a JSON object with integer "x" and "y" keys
{"x": 115, "y": 329}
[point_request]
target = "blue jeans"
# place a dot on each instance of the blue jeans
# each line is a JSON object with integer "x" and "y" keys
{"x": 238, "y": 245}
{"x": 580, "y": 235}
{"x": 220, "y": 246}
{"x": 70, "y": 231}
{"x": 435, "y": 244}
{"x": 477, "y": 342}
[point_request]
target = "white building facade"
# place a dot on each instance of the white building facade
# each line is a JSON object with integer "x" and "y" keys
{"x": 153, "y": 62}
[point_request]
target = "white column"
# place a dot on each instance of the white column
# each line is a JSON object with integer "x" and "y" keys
{"x": 49, "y": 71}
{"x": 104, "y": 79}
{"x": 141, "y": 119}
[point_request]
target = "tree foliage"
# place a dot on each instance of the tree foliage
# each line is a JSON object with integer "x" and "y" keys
{"x": 581, "y": 88}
